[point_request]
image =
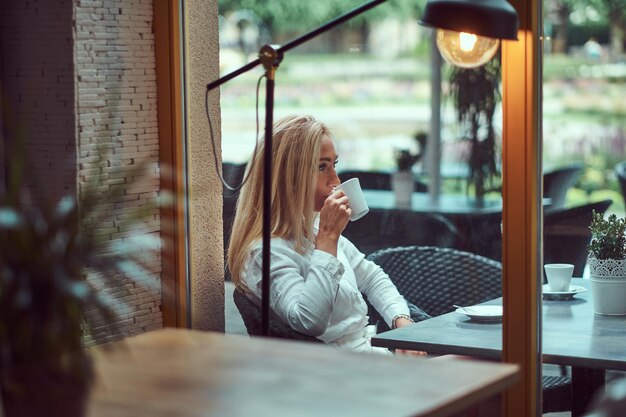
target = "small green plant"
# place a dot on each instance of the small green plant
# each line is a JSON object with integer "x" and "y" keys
{"x": 608, "y": 237}
{"x": 405, "y": 160}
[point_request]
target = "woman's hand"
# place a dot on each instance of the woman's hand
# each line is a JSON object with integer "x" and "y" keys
{"x": 334, "y": 217}
{"x": 401, "y": 322}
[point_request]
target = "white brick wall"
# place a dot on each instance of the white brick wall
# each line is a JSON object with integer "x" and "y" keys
{"x": 116, "y": 107}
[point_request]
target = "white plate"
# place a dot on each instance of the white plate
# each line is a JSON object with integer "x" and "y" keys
{"x": 562, "y": 295}
{"x": 482, "y": 313}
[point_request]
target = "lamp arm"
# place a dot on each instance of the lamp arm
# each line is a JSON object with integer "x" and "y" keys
{"x": 299, "y": 41}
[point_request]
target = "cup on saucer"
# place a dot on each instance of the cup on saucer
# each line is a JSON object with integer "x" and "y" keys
{"x": 559, "y": 276}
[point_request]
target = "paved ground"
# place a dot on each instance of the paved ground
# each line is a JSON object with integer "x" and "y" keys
{"x": 234, "y": 323}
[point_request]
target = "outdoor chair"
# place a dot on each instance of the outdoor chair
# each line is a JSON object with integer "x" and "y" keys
{"x": 620, "y": 173}
{"x": 436, "y": 278}
{"x": 556, "y": 183}
{"x": 233, "y": 175}
{"x": 250, "y": 310}
{"x": 376, "y": 180}
{"x": 566, "y": 234}
{"x": 382, "y": 228}
{"x": 251, "y": 314}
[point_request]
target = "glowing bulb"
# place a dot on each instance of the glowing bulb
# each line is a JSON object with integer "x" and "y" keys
{"x": 465, "y": 49}
{"x": 467, "y": 41}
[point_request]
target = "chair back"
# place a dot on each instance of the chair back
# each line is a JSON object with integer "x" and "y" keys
{"x": 250, "y": 311}
{"x": 381, "y": 229}
{"x": 435, "y": 278}
{"x": 556, "y": 183}
{"x": 620, "y": 172}
{"x": 233, "y": 175}
{"x": 377, "y": 180}
{"x": 566, "y": 234}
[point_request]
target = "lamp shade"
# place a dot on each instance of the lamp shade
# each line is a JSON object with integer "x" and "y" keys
{"x": 489, "y": 18}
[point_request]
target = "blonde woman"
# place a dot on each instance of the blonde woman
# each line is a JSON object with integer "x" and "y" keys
{"x": 316, "y": 275}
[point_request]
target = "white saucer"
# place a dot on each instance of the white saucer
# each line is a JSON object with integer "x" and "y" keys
{"x": 482, "y": 313}
{"x": 562, "y": 295}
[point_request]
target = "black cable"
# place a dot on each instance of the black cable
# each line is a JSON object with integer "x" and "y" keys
{"x": 212, "y": 135}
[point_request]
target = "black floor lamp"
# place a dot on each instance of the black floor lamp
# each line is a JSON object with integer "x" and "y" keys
{"x": 467, "y": 32}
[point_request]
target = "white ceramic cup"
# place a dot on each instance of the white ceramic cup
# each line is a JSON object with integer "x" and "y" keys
{"x": 559, "y": 276}
{"x": 352, "y": 189}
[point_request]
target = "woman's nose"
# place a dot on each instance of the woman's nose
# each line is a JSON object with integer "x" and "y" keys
{"x": 334, "y": 179}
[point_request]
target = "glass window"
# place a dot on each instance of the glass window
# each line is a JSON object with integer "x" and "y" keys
{"x": 584, "y": 141}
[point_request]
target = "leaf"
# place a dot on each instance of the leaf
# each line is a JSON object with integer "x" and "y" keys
{"x": 10, "y": 219}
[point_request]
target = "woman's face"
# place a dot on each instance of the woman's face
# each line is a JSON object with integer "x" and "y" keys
{"x": 327, "y": 177}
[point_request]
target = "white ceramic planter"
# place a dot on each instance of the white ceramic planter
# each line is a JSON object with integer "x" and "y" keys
{"x": 403, "y": 185}
{"x": 608, "y": 285}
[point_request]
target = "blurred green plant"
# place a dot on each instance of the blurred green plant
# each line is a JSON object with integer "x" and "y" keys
{"x": 54, "y": 273}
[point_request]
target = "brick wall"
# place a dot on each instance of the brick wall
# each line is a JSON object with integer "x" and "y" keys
{"x": 117, "y": 132}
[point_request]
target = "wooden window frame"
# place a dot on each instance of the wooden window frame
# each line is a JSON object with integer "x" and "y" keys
{"x": 522, "y": 210}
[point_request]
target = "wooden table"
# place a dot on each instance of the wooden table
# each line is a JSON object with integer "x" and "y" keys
{"x": 175, "y": 372}
{"x": 572, "y": 335}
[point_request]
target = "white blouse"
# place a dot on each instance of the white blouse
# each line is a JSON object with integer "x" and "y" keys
{"x": 320, "y": 295}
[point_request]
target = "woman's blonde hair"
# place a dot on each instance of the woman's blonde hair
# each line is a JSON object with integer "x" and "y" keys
{"x": 296, "y": 145}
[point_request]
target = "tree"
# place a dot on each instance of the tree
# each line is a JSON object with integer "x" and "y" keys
{"x": 301, "y": 16}
{"x": 614, "y": 11}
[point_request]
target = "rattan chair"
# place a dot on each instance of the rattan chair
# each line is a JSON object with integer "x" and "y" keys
{"x": 620, "y": 173}
{"x": 233, "y": 175}
{"x": 436, "y": 278}
{"x": 250, "y": 312}
{"x": 566, "y": 234}
{"x": 557, "y": 182}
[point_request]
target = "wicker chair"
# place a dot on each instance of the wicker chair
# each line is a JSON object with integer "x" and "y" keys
{"x": 620, "y": 172}
{"x": 556, "y": 183}
{"x": 251, "y": 315}
{"x": 250, "y": 311}
{"x": 233, "y": 175}
{"x": 566, "y": 234}
{"x": 435, "y": 278}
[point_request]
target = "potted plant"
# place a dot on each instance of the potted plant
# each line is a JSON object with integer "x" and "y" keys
{"x": 475, "y": 93}
{"x": 607, "y": 264}
{"x": 49, "y": 306}
{"x": 402, "y": 181}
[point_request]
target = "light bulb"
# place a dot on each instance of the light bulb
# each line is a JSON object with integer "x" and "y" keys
{"x": 465, "y": 49}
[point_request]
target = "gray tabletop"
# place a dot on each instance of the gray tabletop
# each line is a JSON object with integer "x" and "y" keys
{"x": 421, "y": 202}
{"x": 572, "y": 335}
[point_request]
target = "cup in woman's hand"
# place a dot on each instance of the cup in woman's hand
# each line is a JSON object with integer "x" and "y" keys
{"x": 352, "y": 189}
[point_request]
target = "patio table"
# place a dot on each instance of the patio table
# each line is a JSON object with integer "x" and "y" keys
{"x": 185, "y": 373}
{"x": 447, "y": 204}
{"x": 572, "y": 335}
